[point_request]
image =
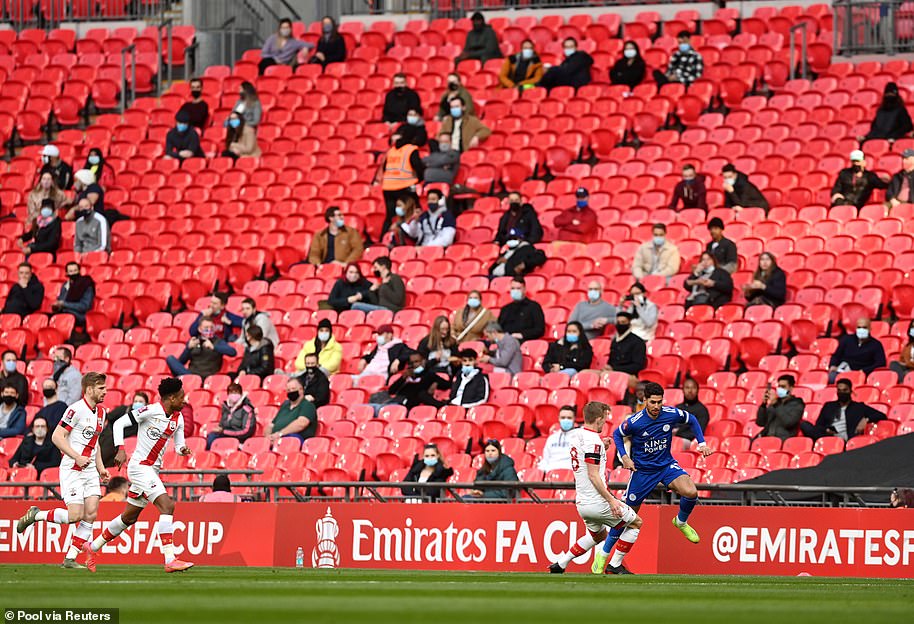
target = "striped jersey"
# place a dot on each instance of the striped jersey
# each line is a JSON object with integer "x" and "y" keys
{"x": 154, "y": 428}
{"x": 83, "y": 425}
{"x": 586, "y": 448}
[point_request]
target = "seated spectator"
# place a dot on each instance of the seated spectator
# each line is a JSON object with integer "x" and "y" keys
{"x": 723, "y": 249}
{"x": 630, "y": 69}
{"x": 739, "y": 192}
{"x": 696, "y": 408}
{"x": 769, "y": 283}
{"x": 89, "y": 190}
{"x": 258, "y": 356}
{"x": 221, "y": 492}
{"x": 406, "y": 209}
{"x": 45, "y": 233}
{"x": 92, "y": 230}
{"x": 314, "y": 382}
{"x": 439, "y": 348}
{"x": 388, "y": 294}
{"x": 481, "y": 42}
{"x": 399, "y": 101}
{"x": 858, "y": 351}
{"x": 636, "y": 400}
{"x": 594, "y": 313}
{"x": 435, "y": 227}
{"x": 522, "y": 318}
{"x": 225, "y": 323}
{"x": 414, "y": 386}
{"x": 465, "y": 129}
{"x": 658, "y": 256}
{"x": 96, "y": 165}
{"x": 67, "y": 376}
{"x": 504, "y": 351}
{"x": 855, "y": 184}
{"x": 240, "y": 140}
{"x": 336, "y": 242}
{"x": 901, "y": 187}
{"x": 12, "y": 414}
{"x": 296, "y": 418}
{"x": 708, "y": 284}
{"x": 690, "y": 190}
{"x": 469, "y": 322}
{"x": 432, "y": 468}
{"x": 498, "y": 467}
{"x": 197, "y": 108}
{"x": 350, "y": 288}
{"x": 557, "y": 450}
{"x": 116, "y": 490}
{"x": 249, "y": 106}
{"x": 523, "y": 70}
{"x": 251, "y": 316}
{"x": 844, "y": 418}
{"x": 644, "y": 312}
{"x": 442, "y": 163}
{"x": 183, "y": 141}
{"x": 36, "y": 448}
{"x": 574, "y": 70}
{"x": 203, "y": 355}
{"x": 471, "y": 387}
{"x": 402, "y": 170}
{"x": 10, "y": 376}
{"x": 579, "y": 222}
{"x": 106, "y": 437}
{"x": 570, "y": 354}
{"x": 519, "y": 216}
{"x": 455, "y": 88}
{"x": 26, "y": 295}
{"x": 324, "y": 345}
{"x": 413, "y": 130}
{"x": 628, "y": 353}
{"x": 517, "y": 257}
{"x": 281, "y": 48}
{"x": 238, "y": 419}
{"x": 53, "y": 164}
{"x": 892, "y": 120}
{"x": 45, "y": 190}
{"x": 331, "y": 47}
{"x": 780, "y": 413}
{"x": 905, "y": 363}
{"x": 685, "y": 66}
{"x": 53, "y": 409}
{"x": 389, "y": 355}
{"x": 901, "y": 498}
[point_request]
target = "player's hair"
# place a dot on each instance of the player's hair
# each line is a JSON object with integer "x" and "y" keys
{"x": 250, "y": 302}
{"x": 255, "y": 332}
{"x": 790, "y": 379}
{"x": 92, "y": 379}
{"x": 594, "y": 410}
{"x": 569, "y": 408}
{"x": 170, "y": 386}
{"x": 116, "y": 483}
{"x": 652, "y": 388}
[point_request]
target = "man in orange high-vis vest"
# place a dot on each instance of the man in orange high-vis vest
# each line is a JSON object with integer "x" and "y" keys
{"x": 403, "y": 170}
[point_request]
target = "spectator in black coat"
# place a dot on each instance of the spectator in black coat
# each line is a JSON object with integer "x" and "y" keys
{"x": 739, "y": 192}
{"x": 628, "y": 352}
{"x": 197, "y": 109}
{"x": 844, "y": 418}
{"x": 481, "y": 42}
{"x": 331, "y": 47}
{"x": 522, "y": 318}
{"x": 314, "y": 381}
{"x": 44, "y": 236}
{"x": 630, "y": 69}
{"x": 413, "y": 130}
{"x": 723, "y": 249}
{"x": 518, "y": 257}
{"x": 780, "y": 413}
{"x": 54, "y": 164}
{"x": 12, "y": 412}
{"x": 54, "y": 408}
{"x": 570, "y": 354}
{"x": 520, "y": 216}
{"x": 36, "y": 448}
{"x": 901, "y": 186}
{"x": 344, "y": 291}
{"x": 399, "y": 100}
{"x": 10, "y": 376}
{"x": 858, "y": 351}
{"x": 415, "y": 386}
{"x": 692, "y": 405}
{"x": 26, "y": 295}
{"x": 258, "y": 356}
{"x": 892, "y": 120}
{"x": 769, "y": 283}
{"x": 471, "y": 387}
{"x": 690, "y": 190}
{"x": 574, "y": 71}
{"x": 182, "y": 141}
{"x": 855, "y": 184}
{"x": 432, "y": 468}
{"x": 708, "y": 284}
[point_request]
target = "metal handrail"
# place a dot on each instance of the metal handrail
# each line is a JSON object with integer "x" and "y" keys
{"x": 803, "y": 27}
{"x": 131, "y": 49}
{"x": 234, "y": 37}
{"x": 168, "y": 24}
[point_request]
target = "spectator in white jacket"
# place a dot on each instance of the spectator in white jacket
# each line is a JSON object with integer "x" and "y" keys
{"x": 436, "y": 227}
{"x": 644, "y": 312}
{"x": 557, "y": 452}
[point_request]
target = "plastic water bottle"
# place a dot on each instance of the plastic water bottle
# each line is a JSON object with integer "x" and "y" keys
{"x": 300, "y": 558}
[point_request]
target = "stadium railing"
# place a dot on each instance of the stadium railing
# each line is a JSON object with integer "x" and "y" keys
{"x": 866, "y": 27}
{"x": 21, "y": 14}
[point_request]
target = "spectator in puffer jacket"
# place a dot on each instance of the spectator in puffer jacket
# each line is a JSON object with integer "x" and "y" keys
{"x": 238, "y": 420}
{"x": 497, "y": 467}
{"x": 258, "y": 356}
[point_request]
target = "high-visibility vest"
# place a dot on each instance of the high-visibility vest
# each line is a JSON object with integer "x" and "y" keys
{"x": 398, "y": 173}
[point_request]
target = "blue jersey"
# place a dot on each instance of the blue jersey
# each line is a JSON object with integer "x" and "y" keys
{"x": 651, "y": 439}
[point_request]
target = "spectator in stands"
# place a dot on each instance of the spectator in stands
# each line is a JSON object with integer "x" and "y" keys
{"x": 116, "y": 490}
{"x": 44, "y": 235}
{"x": 388, "y": 294}
{"x": 557, "y": 450}
{"x": 238, "y": 419}
{"x": 901, "y": 498}
{"x": 87, "y": 189}
{"x": 258, "y": 358}
{"x": 26, "y": 295}
{"x": 197, "y": 108}
{"x": 251, "y": 317}
{"x": 414, "y": 386}
{"x": 858, "y": 351}
{"x": 226, "y": 323}
{"x": 389, "y": 355}
{"x": 628, "y": 353}
{"x": 183, "y": 141}
{"x": 780, "y": 413}
{"x": 892, "y": 120}
{"x": 636, "y": 400}
{"x": 723, "y": 249}
{"x": 314, "y": 381}
{"x": 36, "y": 448}
{"x": 504, "y": 351}
{"x": 280, "y": 48}
{"x": 329, "y": 352}
{"x": 92, "y": 230}
{"x": 432, "y": 468}
{"x": 844, "y": 418}
{"x": 739, "y": 192}
{"x": 630, "y": 69}
{"x": 53, "y": 409}
{"x": 658, "y": 256}
{"x": 455, "y": 88}
{"x": 296, "y": 418}
{"x": 481, "y": 42}
{"x": 52, "y": 163}
{"x": 522, "y": 318}
{"x": 76, "y": 295}
{"x": 497, "y": 467}
{"x": 708, "y": 284}
{"x": 905, "y": 363}
{"x": 574, "y": 70}
{"x": 401, "y": 171}
{"x": 336, "y": 242}
{"x": 399, "y": 101}
{"x": 12, "y": 414}
{"x": 442, "y": 163}
{"x": 465, "y": 128}
{"x": 349, "y": 289}
{"x": 769, "y": 283}
{"x": 523, "y": 70}
{"x": 413, "y": 130}
{"x": 469, "y": 322}
{"x": 570, "y": 354}
{"x": 10, "y": 376}
{"x": 406, "y": 209}
{"x": 692, "y": 405}
{"x": 521, "y": 217}
{"x": 901, "y": 187}
{"x": 690, "y": 190}
{"x": 248, "y": 106}
{"x": 435, "y": 227}
{"x": 221, "y": 492}
{"x": 96, "y": 165}
{"x": 67, "y": 376}
{"x": 471, "y": 387}
{"x": 106, "y": 438}
{"x": 46, "y": 189}
{"x": 240, "y": 140}
{"x": 439, "y": 348}
{"x": 518, "y": 257}
{"x": 331, "y": 47}
{"x": 855, "y": 184}
{"x": 685, "y": 66}
{"x": 644, "y": 312}
{"x": 594, "y": 313}
{"x": 203, "y": 355}
{"x": 579, "y": 222}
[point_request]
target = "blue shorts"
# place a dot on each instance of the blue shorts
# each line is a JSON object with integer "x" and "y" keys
{"x": 643, "y": 483}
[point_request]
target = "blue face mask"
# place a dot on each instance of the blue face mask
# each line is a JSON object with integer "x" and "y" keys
{"x": 571, "y": 338}
{"x": 517, "y": 295}
{"x": 430, "y": 461}
{"x": 567, "y": 424}
{"x": 94, "y": 160}
{"x": 630, "y": 53}
{"x": 781, "y": 392}
{"x": 466, "y": 370}
{"x": 513, "y": 243}
{"x": 684, "y": 47}
{"x": 491, "y": 460}
{"x": 234, "y": 123}
{"x": 659, "y": 240}
{"x": 593, "y": 294}
{"x": 863, "y": 333}
{"x": 569, "y": 51}
{"x": 526, "y": 54}
{"x": 10, "y": 366}
{"x": 340, "y": 223}
{"x": 138, "y": 405}
{"x": 412, "y": 120}
{"x": 473, "y": 302}
{"x": 418, "y": 370}
{"x": 181, "y": 127}
{"x": 581, "y": 203}
{"x": 400, "y": 211}
{"x": 47, "y": 212}
{"x": 456, "y": 113}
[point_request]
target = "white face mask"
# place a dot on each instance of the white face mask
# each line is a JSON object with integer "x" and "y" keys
{"x": 285, "y": 32}
{"x": 323, "y": 336}
{"x": 630, "y": 53}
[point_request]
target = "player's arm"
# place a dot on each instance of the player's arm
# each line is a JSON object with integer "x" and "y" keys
{"x": 180, "y": 442}
{"x": 619, "y": 436}
{"x": 103, "y": 474}
{"x": 61, "y": 439}
{"x": 692, "y": 422}
{"x": 593, "y": 473}
{"x": 120, "y": 426}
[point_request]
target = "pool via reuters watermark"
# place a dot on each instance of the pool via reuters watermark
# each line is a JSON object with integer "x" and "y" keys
{"x": 22, "y": 616}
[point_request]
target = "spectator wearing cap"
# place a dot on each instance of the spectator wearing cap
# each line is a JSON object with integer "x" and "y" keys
{"x": 708, "y": 284}
{"x": 464, "y": 128}
{"x": 481, "y": 42}
{"x": 389, "y": 355}
{"x": 769, "y": 283}
{"x": 442, "y": 162}
{"x": 471, "y": 387}
{"x": 517, "y": 257}
{"x": 336, "y": 242}
{"x": 53, "y": 164}
{"x": 855, "y": 184}
{"x": 399, "y": 101}
{"x": 723, "y": 249}
{"x": 88, "y": 191}
{"x": 573, "y": 71}
{"x": 657, "y": 256}
{"x": 892, "y": 120}
{"x": 858, "y": 351}
{"x": 182, "y": 141}
{"x": 435, "y": 227}
{"x": 521, "y": 217}
{"x": 644, "y": 312}
{"x": 579, "y": 222}
{"x": 504, "y": 351}
{"x": 901, "y": 186}
{"x": 686, "y": 64}
{"x": 329, "y": 352}
{"x": 780, "y": 413}
{"x": 522, "y": 318}
{"x": 690, "y": 190}
{"x": 844, "y": 418}
{"x": 628, "y": 352}
{"x": 594, "y": 313}
{"x": 739, "y": 192}
{"x": 26, "y": 295}
{"x": 389, "y": 293}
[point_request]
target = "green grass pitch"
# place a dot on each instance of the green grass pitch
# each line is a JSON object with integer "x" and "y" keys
{"x": 265, "y": 595}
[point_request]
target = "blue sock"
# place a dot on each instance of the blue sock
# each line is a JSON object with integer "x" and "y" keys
{"x": 612, "y": 538}
{"x": 686, "y": 505}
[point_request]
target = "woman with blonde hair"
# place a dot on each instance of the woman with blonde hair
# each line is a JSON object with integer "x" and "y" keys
{"x": 469, "y": 322}
{"x": 440, "y": 347}
{"x": 45, "y": 189}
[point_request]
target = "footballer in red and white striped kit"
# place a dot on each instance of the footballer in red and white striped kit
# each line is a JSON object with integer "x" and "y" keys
{"x": 81, "y": 469}
{"x": 156, "y": 423}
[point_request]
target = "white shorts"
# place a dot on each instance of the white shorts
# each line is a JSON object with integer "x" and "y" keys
{"x": 599, "y": 515}
{"x": 78, "y": 485}
{"x": 145, "y": 485}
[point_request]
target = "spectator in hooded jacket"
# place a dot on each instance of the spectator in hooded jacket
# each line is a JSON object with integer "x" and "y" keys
{"x": 858, "y": 351}
{"x": 570, "y": 354}
{"x": 45, "y": 233}
{"x": 523, "y": 70}
{"x": 76, "y": 295}
{"x": 454, "y": 89}
{"x": 350, "y": 288}
{"x": 388, "y": 294}
{"x": 252, "y": 316}
{"x": 182, "y": 141}
{"x": 399, "y": 101}
{"x": 517, "y": 257}
{"x": 579, "y": 222}
{"x": 442, "y": 163}
{"x": 769, "y": 283}
{"x": 504, "y": 351}
{"x": 739, "y": 192}
{"x": 26, "y": 295}
{"x": 522, "y": 318}
{"x": 469, "y": 322}
{"x": 413, "y": 129}
{"x": 465, "y": 129}
{"x": 258, "y": 356}
{"x": 471, "y": 387}
{"x": 336, "y": 242}
{"x": 481, "y": 42}
{"x": 331, "y": 47}
{"x": 325, "y": 346}
{"x": 521, "y": 217}
{"x": 314, "y": 381}
{"x": 435, "y": 227}
{"x": 574, "y": 71}
{"x": 630, "y": 69}
{"x": 708, "y": 284}
{"x": 855, "y": 184}
{"x": 686, "y": 64}
{"x": 690, "y": 190}
{"x": 901, "y": 186}
{"x": 780, "y": 413}
{"x": 892, "y": 120}
{"x": 238, "y": 419}
{"x": 87, "y": 190}
{"x": 723, "y": 249}
{"x": 281, "y": 48}
{"x": 658, "y": 256}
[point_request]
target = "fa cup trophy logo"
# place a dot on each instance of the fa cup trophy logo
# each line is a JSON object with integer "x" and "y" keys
{"x": 326, "y": 554}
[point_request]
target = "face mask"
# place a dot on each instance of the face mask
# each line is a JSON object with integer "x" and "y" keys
{"x": 327, "y": 28}
{"x": 430, "y": 461}
{"x": 323, "y": 336}
{"x": 340, "y": 223}
{"x": 444, "y": 147}
{"x": 412, "y": 120}
{"x": 621, "y": 329}
{"x": 418, "y": 370}
{"x": 94, "y": 160}
{"x": 207, "y": 333}
{"x": 729, "y": 181}
{"x": 659, "y": 240}
{"x": 781, "y": 392}
{"x": 45, "y": 159}
{"x": 234, "y": 123}
{"x": 513, "y": 243}
{"x": 376, "y": 273}
{"x": 456, "y": 113}
{"x": 571, "y": 338}
{"x": 285, "y": 32}
{"x": 181, "y": 127}
{"x": 453, "y": 86}
{"x": 593, "y": 294}
{"x": 863, "y": 333}
{"x": 382, "y": 340}
{"x": 233, "y": 398}
{"x": 138, "y": 405}
{"x": 844, "y": 397}
{"x": 517, "y": 295}
{"x": 10, "y": 366}
{"x": 47, "y": 213}
{"x": 581, "y": 203}
{"x": 570, "y": 51}
{"x": 8, "y": 400}
{"x": 82, "y": 214}
{"x": 858, "y": 168}
{"x": 689, "y": 180}
{"x": 58, "y": 365}
{"x": 566, "y": 424}
{"x": 630, "y": 53}
{"x": 491, "y": 460}
{"x": 293, "y": 396}
{"x": 514, "y": 206}
{"x": 196, "y": 93}
{"x": 684, "y": 47}
{"x": 911, "y": 332}
{"x": 48, "y": 392}
{"x": 466, "y": 370}
{"x": 526, "y": 54}
{"x": 473, "y": 302}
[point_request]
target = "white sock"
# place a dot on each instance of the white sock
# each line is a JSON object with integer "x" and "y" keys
{"x": 585, "y": 543}
{"x": 114, "y": 528}
{"x": 82, "y": 535}
{"x": 57, "y": 516}
{"x": 625, "y": 543}
{"x": 166, "y": 533}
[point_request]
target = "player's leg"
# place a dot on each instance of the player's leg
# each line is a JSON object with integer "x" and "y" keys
{"x": 631, "y": 527}
{"x": 640, "y": 486}
{"x": 688, "y": 497}
{"x": 117, "y": 526}
{"x": 83, "y": 532}
{"x": 587, "y": 541}
{"x": 72, "y": 490}
{"x": 166, "y": 506}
